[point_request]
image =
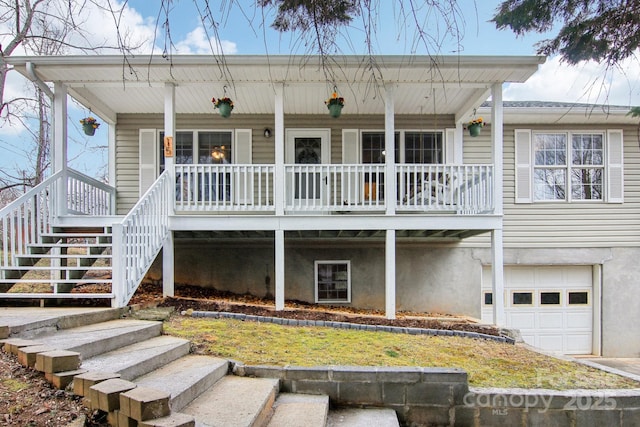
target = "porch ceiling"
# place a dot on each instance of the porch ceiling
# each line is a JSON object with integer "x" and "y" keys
{"x": 427, "y": 85}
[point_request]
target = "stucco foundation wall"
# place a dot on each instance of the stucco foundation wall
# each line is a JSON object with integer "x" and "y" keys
{"x": 428, "y": 278}
{"x": 621, "y": 304}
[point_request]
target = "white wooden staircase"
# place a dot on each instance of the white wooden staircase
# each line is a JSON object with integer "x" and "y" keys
{"x": 64, "y": 260}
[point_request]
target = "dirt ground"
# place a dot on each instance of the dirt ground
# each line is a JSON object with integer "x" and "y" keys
{"x": 27, "y": 399}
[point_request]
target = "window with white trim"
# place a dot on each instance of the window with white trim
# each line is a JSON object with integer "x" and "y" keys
{"x": 568, "y": 166}
{"x": 333, "y": 281}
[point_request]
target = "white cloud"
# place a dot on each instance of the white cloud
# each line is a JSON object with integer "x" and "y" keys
{"x": 587, "y": 82}
{"x": 197, "y": 42}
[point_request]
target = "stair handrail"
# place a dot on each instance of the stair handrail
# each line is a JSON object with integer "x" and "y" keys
{"x": 26, "y": 219}
{"x": 138, "y": 238}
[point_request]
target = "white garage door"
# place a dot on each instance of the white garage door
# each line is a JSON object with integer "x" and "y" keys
{"x": 551, "y": 306}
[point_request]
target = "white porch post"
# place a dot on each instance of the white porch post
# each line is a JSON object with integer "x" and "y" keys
{"x": 279, "y": 179}
{"x": 279, "y": 192}
{"x": 390, "y": 200}
{"x": 112, "y": 164}
{"x": 59, "y": 154}
{"x": 390, "y": 151}
{"x": 390, "y": 275}
{"x": 279, "y": 267}
{"x": 497, "y": 256}
{"x": 168, "y": 267}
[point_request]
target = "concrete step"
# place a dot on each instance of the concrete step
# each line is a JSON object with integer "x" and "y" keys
{"x": 299, "y": 410}
{"x": 137, "y": 359}
{"x": 355, "y": 417}
{"x": 235, "y": 402}
{"x": 26, "y": 322}
{"x": 94, "y": 339}
{"x": 185, "y": 378}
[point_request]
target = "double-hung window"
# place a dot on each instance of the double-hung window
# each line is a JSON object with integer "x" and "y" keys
{"x": 568, "y": 166}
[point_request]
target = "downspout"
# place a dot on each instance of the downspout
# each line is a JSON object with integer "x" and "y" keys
{"x": 31, "y": 71}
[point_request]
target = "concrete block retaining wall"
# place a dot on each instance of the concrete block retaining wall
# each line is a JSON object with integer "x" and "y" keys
{"x": 442, "y": 397}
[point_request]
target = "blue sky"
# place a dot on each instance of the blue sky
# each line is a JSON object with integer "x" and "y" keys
{"x": 242, "y": 31}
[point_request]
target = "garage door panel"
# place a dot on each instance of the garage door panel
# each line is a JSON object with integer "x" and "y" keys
{"x": 575, "y": 343}
{"x": 579, "y": 320}
{"x": 551, "y": 342}
{"x": 522, "y": 320}
{"x": 550, "y": 320}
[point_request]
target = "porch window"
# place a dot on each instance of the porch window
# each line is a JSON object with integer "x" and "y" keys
{"x": 568, "y": 166}
{"x": 423, "y": 147}
{"x": 333, "y": 281}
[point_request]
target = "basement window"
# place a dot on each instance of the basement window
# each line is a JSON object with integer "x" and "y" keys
{"x": 333, "y": 281}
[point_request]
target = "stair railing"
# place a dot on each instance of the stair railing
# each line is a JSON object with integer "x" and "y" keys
{"x": 138, "y": 238}
{"x": 24, "y": 221}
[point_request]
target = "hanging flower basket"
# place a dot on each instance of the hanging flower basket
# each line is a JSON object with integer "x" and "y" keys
{"x": 224, "y": 106}
{"x": 335, "y": 104}
{"x": 475, "y": 126}
{"x": 89, "y": 125}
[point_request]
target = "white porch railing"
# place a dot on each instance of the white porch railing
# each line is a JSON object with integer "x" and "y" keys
{"x": 138, "y": 238}
{"x": 465, "y": 189}
{"x": 462, "y": 189}
{"x": 88, "y": 196}
{"x": 334, "y": 187}
{"x": 24, "y": 221}
{"x": 211, "y": 188}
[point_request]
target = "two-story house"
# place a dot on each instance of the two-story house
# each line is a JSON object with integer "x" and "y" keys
{"x": 393, "y": 205}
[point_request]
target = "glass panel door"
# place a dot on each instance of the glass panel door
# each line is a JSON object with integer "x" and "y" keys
{"x": 308, "y": 151}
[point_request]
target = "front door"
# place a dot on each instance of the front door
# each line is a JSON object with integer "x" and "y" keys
{"x": 305, "y": 150}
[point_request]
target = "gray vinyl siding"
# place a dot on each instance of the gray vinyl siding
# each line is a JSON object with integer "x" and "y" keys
{"x": 575, "y": 224}
{"x": 129, "y": 125}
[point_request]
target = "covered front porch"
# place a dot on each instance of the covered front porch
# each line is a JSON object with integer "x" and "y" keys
{"x": 340, "y": 192}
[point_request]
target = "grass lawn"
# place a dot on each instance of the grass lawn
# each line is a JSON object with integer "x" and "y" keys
{"x": 488, "y": 363}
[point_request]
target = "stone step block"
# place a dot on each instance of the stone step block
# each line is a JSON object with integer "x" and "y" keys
{"x": 83, "y": 382}
{"x": 186, "y": 378}
{"x": 4, "y": 331}
{"x": 27, "y": 355}
{"x": 235, "y": 402}
{"x": 299, "y": 410}
{"x": 57, "y": 361}
{"x": 144, "y": 403}
{"x": 106, "y": 394}
{"x": 94, "y": 339}
{"x": 176, "y": 419}
{"x": 61, "y": 380}
{"x": 12, "y": 345}
{"x": 135, "y": 360}
{"x": 362, "y": 417}
{"x": 117, "y": 419}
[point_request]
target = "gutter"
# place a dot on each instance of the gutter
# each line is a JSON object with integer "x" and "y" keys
{"x": 31, "y": 71}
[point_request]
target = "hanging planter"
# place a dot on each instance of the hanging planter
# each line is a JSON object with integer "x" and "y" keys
{"x": 224, "y": 106}
{"x": 335, "y": 104}
{"x": 475, "y": 126}
{"x": 89, "y": 125}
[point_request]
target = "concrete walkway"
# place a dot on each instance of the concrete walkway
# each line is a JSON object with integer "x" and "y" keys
{"x": 629, "y": 365}
{"x": 15, "y": 320}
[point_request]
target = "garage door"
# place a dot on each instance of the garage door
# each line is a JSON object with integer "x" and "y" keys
{"x": 551, "y": 306}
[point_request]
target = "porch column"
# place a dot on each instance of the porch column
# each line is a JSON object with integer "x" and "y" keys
{"x": 279, "y": 178}
{"x": 497, "y": 257}
{"x": 112, "y": 164}
{"x": 168, "y": 268}
{"x": 59, "y": 154}
{"x": 390, "y": 275}
{"x": 390, "y": 151}
{"x": 279, "y": 267}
